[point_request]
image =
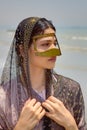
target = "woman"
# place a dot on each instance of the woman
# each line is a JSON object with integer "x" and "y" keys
{"x": 32, "y": 95}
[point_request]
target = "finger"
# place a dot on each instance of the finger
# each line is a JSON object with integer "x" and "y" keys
{"x": 55, "y": 105}
{"x": 37, "y": 105}
{"x": 25, "y": 104}
{"x": 48, "y": 115}
{"x": 32, "y": 102}
{"x": 38, "y": 114}
{"x": 52, "y": 104}
{"x": 35, "y": 119}
{"x": 43, "y": 112}
{"x": 48, "y": 106}
{"x": 54, "y": 100}
{"x": 29, "y": 103}
{"x": 40, "y": 109}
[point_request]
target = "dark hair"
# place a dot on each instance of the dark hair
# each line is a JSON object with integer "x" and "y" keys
{"x": 40, "y": 27}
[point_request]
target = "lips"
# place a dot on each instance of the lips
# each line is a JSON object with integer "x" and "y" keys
{"x": 53, "y": 59}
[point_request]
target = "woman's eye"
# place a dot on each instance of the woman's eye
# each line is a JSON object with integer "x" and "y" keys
{"x": 45, "y": 44}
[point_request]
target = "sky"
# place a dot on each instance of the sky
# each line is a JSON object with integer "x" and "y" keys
{"x": 61, "y": 12}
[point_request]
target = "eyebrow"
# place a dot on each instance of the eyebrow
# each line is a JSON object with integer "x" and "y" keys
{"x": 48, "y": 40}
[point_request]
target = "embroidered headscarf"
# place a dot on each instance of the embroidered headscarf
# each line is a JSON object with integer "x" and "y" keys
{"x": 14, "y": 68}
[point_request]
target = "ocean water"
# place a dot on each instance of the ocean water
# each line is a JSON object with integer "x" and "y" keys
{"x": 73, "y": 61}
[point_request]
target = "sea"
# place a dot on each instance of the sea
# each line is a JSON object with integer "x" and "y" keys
{"x": 73, "y": 61}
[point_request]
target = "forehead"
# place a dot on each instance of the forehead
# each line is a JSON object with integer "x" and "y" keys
{"x": 42, "y": 37}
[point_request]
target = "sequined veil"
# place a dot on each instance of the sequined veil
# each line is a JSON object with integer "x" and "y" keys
{"x": 12, "y": 69}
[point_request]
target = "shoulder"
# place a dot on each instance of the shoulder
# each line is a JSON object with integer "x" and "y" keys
{"x": 68, "y": 91}
{"x": 66, "y": 83}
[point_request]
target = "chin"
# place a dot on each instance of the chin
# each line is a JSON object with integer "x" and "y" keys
{"x": 50, "y": 67}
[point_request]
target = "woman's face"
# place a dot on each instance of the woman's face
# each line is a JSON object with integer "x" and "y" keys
{"x": 42, "y": 45}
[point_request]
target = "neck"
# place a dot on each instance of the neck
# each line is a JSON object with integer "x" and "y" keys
{"x": 37, "y": 77}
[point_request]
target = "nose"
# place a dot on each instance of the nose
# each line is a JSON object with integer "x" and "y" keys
{"x": 53, "y": 46}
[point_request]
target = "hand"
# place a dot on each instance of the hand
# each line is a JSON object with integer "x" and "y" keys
{"x": 58, "y": 113}
{"x": 30, "y": 116}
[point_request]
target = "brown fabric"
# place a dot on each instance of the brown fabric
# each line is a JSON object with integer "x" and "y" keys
{"x": 65, "y": 89}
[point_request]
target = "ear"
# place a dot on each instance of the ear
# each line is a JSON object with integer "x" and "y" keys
{"x": 21, "y": 50}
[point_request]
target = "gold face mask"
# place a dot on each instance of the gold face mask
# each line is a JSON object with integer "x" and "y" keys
{"x": 43, "y": 49}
